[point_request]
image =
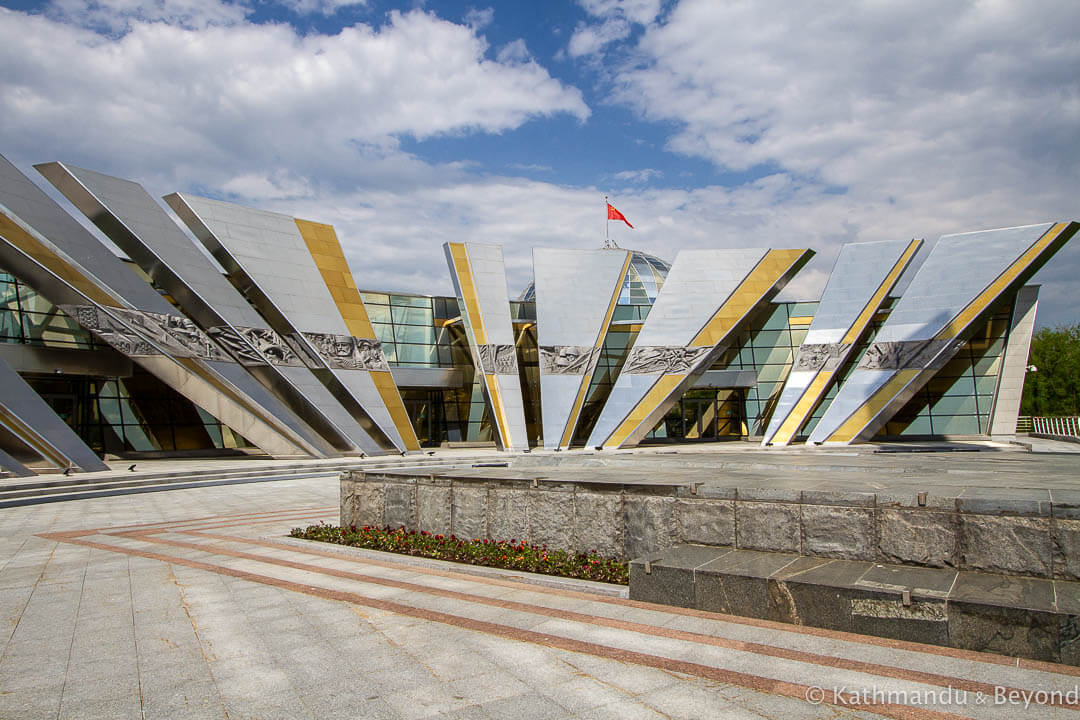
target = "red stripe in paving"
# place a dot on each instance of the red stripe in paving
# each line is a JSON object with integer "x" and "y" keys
{"x": 747, "y": 680}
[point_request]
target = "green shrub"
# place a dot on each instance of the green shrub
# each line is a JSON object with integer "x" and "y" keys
{"x": 508, "y": 554}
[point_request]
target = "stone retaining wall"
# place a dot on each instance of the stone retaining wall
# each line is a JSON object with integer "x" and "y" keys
{"x": 1009, "y": 536}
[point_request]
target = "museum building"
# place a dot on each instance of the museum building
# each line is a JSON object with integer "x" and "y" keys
{"x": 271, "y": 348}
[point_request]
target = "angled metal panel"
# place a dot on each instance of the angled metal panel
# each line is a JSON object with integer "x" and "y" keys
{"x": 132, "y": 219}
{"x": 1014, "y": 362}
{"x": 953, "y": 292}
{"x": 706, "y": 296}
{"x": 322, "y": 242}
{"x": 264, "y": 254}
{"x": 479, "y": 278}
{"x": 24, "y": 414}
{"x": 14, "y": 467}
{"x": 140, "y": 324}
{"x": 861, "y": 279}
{"x": 576, "y": 294}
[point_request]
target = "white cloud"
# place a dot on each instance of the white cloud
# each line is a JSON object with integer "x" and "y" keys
{"x": 616, "y": 17}
{"x": 643, "y": 175}
{"x": 322, "y": 7}
{"x": 229, "y": 101}
{"x": 478, "y": 19}
{"x": 927, "y": 118}
{"x": 591, "y": 39}
{"x": 641, "y": 12}
{"x": 116, "y": 16}
{"x": 513, "y": 52}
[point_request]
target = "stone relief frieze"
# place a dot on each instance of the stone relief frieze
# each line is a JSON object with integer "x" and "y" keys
{"x": 654, "y": 360}
{"x": 179, "y": 336}
{"x": 136, "y": 332}
{"x": 270, "y": 346}
{"x": 903, "y": 354}
{"x": 498, "y": 359}
{"x": 235, "y": 345}
{"x": 820, "y": 356}
{"x": 346, "y": 352}
{"x": 110, "y": 330}
{"x": 568, "y": 359}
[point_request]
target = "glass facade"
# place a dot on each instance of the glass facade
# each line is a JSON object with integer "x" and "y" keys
{"x": 140, "y": 414}
{"x": 27, "y": 318}
{"x": 111, "y": 414}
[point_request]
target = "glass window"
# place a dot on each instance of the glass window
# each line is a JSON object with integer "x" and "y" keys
{"x": 956, "y": 425}
{"x": 412, "y": 315}
{"x": 385, "y": 333}
{"x": 378, "y": 313}
{"x": 411, "y": 301}
{"x": 418, "y": 354}
{"x": 802, "y": 309}
{"x": 954, "y": 405}
{"x": 772, "y": 355}
{"x": 375, "y": 298}
{"x": 414, "y": 334}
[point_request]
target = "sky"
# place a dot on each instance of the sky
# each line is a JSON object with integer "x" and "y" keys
{"x": 708, "y": 123}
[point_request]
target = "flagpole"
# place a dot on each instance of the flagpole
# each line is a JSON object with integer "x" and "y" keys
{"x": 607, "y": 225}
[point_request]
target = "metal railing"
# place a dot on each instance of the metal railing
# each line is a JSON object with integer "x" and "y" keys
{"x": 1056, "y": 426}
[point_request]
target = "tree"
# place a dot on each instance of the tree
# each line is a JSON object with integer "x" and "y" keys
{"x": 1052, "y": 388}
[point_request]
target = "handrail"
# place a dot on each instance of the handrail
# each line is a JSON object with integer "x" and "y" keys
{"x": 1056, "y": 426}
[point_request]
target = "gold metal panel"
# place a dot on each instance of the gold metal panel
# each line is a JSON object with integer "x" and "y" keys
{"x": 664, "y": 386}
{"x": 813, "y": 394}
{"x": 586, "y": 380}
{"x": 1051, "y": 240}
{"x": 15, "y": 233}
{"x": 874, "y": 405}
{"x": 325, "y": 249}
{"x": 322, "y": 243}
{"x": 806, "y": 404}
{"x": 800, "y": 320}
{"x": 491, "y": 382}
{"x": 872, "y": 306}
{"x": 468, "y": 290}
{"x": 29, "y": 436}
{"x": 761, "y": 280}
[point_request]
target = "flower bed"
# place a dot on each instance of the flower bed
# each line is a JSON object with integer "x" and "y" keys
{"x": 510, "y": 555}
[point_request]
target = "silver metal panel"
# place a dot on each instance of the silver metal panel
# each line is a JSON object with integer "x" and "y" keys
{"x": 493, "y": 304}
{"x": 132, "y": 219}
{"x": 14, "y": 467}
{"x": 574, "y": 292}
{"x": 625, "y": 395}
{"x": 270, "y": 249}
{"x": 727, "y": 379}
{"x": 111, "y": 278}
{"x": 1014, "y": 362}
{"x": 27, "y": 416}
{"x": 489, "y": 275}
{"x": 38, "y": 211}
{"x": 407, "y": 377}
{"x": 103, "y": 362}
{"x": 698, "y": 284}
{"x": 265, "y": 253}
{"x": 858, "y": 273}
{"x": 957, "y": 270}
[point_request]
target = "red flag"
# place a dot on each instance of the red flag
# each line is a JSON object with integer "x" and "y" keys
{"x": 613, "y": 214}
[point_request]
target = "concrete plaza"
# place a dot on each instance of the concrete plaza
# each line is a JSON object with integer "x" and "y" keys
{"x": 191, "y": 603}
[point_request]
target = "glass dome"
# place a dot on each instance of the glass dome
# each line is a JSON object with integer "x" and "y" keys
{"x": 642, "y": 283}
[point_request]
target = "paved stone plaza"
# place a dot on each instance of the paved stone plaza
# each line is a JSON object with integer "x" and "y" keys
{"x": 189, "y": 604}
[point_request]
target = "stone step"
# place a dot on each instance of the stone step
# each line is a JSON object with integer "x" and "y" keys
{"x": 91, "y": 485}
{"x": 1026, "y": 617}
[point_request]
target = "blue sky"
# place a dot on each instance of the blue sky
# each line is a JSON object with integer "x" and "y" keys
{"x": 709, "y": 123}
